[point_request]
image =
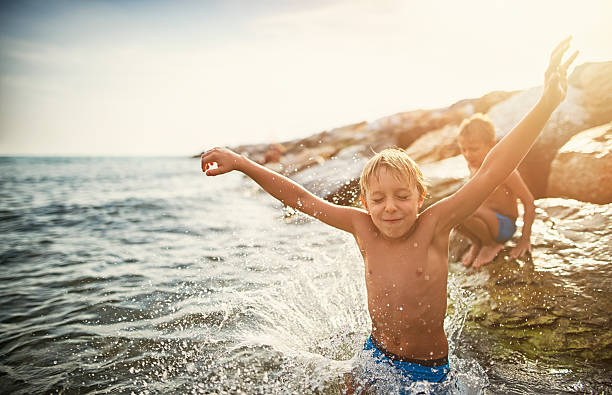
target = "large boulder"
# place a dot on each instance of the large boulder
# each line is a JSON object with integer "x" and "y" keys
{"x": 434, "y": 146}
{"x": 595, "y": 80}
{"x": 582, "y": 169}
{"x": 444, "y": 178}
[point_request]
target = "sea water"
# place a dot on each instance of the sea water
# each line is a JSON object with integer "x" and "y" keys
{"x": 142, "y": 275}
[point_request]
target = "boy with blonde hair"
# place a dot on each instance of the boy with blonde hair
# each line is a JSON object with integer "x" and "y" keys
{"x": 493, "y": 223}
{"x": 406, "y": 252}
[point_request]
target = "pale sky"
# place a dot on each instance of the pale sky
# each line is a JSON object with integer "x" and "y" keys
{"x": 137, "y": 77}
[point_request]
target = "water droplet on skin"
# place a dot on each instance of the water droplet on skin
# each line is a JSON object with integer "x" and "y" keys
{"x": 415, "y": 245}
{"x": 420, "y": 303}
{"x": 387, "y": 304}
{"x": 419, "y": 270}
{"x": 401, "y": 349}
{"x": 401, "y": 308}
{"x": 429, "y": 306}
{"x": 374, "y": 328}
{"x": 431, "y": 353}
{"x": 426, "y": 277}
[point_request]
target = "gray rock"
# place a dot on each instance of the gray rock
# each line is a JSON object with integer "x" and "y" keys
{"x": 444, "y": 178}
{"x": 337, "y": 179}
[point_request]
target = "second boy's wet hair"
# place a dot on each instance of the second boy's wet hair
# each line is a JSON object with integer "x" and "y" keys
{"x": 477, "y": 128}
{"x": 395, "y": 159}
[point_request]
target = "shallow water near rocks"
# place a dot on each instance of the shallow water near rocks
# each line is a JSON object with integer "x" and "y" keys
{"x": 142, "y": 275}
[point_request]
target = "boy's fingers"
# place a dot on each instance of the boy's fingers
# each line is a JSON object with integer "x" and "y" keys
{"x": 557, "y": 55}
{"x": 571, "y": 59}
{"x": 207, "y": 157}
{"x": 558, "y": 52}
{"x": 213, "y": 172}
{"x": 564, "y": 43}
{"x": 207, "y": 165}
{"x": 210, "y": 155}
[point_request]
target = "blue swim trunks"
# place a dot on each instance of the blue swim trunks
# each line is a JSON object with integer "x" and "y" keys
{"x": 434, "y": 371}
{"x": 505, "y": 228}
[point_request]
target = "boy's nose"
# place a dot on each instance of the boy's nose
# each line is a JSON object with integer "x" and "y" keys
{"x": 389, "y": 205}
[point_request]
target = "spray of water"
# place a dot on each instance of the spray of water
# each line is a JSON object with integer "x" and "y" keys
{"x": 307, "y": 334}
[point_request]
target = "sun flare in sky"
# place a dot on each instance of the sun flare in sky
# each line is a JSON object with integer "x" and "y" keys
{"x": 173, "y": 78}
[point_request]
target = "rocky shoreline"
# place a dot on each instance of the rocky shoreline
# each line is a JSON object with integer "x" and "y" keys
{"x": 567, "y": 142}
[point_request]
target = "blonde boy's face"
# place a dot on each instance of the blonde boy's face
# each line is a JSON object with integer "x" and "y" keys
{"x": 474, "y": 151}
{"x": 392, "y": 202}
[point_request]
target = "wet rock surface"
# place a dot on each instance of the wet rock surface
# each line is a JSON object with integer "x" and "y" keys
{"x": 557, "y": 303}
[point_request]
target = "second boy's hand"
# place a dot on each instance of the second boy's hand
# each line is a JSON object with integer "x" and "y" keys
{"x": 522, "y": 248}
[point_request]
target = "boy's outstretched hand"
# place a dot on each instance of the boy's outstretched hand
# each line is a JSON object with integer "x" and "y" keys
{"x": 555, "y": 78}
{"x": 225, "y": 160}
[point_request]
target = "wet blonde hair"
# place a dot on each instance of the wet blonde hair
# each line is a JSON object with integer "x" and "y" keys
{"x": 395, "y": 159}
{"x": 478, "y": 128}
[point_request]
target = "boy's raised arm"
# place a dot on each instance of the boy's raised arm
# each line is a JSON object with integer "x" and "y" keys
{"x": 510, "y": 151}
{"x": 280, "y": 187}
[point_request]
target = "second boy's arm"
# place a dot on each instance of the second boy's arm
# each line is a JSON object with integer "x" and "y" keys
{"x": 506, "y": 155}
{"x": 282, "y": 188}
{"x": 518, "y": 187}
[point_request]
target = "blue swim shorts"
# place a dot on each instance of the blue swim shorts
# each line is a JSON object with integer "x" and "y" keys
{"x": 505, "y": 228}
{"x": 434, "y": 371}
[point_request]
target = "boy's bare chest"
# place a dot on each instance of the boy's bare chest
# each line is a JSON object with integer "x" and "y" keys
{"x": 411, "y": 261}
{"x": 405, "y": 277}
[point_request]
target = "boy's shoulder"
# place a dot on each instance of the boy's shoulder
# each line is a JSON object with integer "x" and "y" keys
{"x": 362, "y": 218}
{"x": 428, "y": 219}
